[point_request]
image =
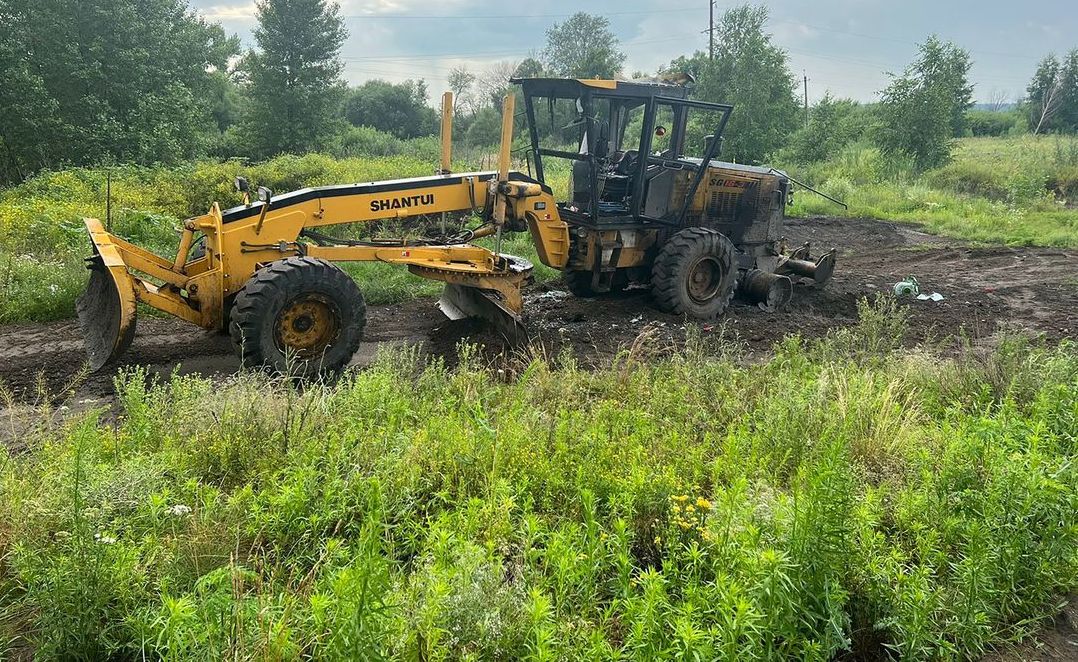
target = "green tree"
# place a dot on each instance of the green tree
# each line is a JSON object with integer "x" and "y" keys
{"x": 583, "y": 47}
{"x": 82, "y": 82}
{"x": 529, "y": 67}
{"x": 400, "y": 109}
{"x": 295, "y": 88}
{"x": 944, "y": 65}
{"x": 833, "y": 124}
{"x": 1068, "y": 111}
{"x": 752, "y": 73}
{"x": 30, "y": 112}
{"x": 460, "y": 83}
{"x": 485, "y": 128}
{"x": 1044, "y": 95}
{"x": 917, "y": 110}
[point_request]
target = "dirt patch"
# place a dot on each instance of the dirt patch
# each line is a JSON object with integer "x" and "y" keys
{"x": 984, "y": 288}
{"x": 1056, "y": 642}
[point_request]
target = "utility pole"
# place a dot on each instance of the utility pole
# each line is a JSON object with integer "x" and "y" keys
{"x": 805, "y": 74}
{"x": 711, "y": 29}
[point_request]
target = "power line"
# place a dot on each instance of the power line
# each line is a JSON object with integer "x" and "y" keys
{"x": 475, "y": 54}
{"x": 508, "y": 16}
{"x": 895, "y": 39}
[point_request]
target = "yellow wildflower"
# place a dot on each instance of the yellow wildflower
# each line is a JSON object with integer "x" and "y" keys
{"x": 703, "y": 503}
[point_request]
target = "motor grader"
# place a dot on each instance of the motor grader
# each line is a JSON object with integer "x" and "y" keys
{"x": 647, "y": 203}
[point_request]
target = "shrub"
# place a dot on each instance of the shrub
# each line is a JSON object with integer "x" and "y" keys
{"x": 365, "y": 141}
{"x": 991, "y": 123}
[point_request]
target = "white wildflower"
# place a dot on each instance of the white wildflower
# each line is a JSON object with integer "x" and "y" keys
{"x": 179, "y": 510}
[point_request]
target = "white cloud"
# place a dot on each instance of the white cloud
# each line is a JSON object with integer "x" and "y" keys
{"x": 379, "y": 7}
{"x": 660, "y": 38}
{"x": 239, "y": 12}
{"x": 786, "y": 32}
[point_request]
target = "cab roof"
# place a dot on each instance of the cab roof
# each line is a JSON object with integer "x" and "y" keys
{"x": 571, "y": 88}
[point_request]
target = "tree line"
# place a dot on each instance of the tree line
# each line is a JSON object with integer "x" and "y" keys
{"x": 151, "y": 81}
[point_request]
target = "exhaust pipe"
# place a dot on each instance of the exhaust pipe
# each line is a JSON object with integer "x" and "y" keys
{"x": 769, "y": 291}
{"x": 820, "y": 271}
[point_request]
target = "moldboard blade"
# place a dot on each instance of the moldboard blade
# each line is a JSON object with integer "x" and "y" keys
{"x": 460, "y": 301}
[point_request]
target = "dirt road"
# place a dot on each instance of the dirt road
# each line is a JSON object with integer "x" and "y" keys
{"x": 984, "y": 288}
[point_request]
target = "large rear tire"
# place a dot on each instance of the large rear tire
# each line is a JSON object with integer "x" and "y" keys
{"x": 695, "y": 274}
{"x": 300, "y": 317}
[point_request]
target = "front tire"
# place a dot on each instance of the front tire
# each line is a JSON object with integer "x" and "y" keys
{"x": 300, "y": 316}
{"x": 695, "y": 274}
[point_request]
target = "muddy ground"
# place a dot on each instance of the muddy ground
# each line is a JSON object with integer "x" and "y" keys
{"x": 985, "y": 288}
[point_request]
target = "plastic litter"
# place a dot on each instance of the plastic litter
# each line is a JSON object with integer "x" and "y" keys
{"x": 907, "y": 288}
{"x": 935, "y": 296}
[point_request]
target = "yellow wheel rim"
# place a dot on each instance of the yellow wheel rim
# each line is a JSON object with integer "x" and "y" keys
{"x": 307, "y": 325}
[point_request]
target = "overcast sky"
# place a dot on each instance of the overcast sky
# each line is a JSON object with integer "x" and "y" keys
{"x": 844, "y": 46}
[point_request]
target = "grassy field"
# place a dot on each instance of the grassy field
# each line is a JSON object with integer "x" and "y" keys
{"x": 843, "y": 495}
{"x": 1021, "y": 191}
{"x": 1010, "y": 190}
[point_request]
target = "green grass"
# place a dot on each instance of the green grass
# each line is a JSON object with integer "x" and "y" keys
{"x": 1019, "y": 191}
{"x": 842, "y": 495}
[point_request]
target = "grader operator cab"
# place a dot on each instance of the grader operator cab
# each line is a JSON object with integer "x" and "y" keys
{"x": 640, "y": 208}
{"x": 649, "y": 202}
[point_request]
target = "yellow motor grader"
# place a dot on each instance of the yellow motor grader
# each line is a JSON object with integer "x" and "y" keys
{"x": 640, "y": 209}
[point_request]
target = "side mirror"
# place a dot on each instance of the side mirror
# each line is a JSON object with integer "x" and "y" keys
{"x": 242, "y": 185}
{"x": 264, "y": 194}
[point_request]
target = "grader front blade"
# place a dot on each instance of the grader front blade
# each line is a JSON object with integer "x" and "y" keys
{"x": 495, "y": 298}
{"x": 107, "y": 309}
{"x": 461, "y": 301}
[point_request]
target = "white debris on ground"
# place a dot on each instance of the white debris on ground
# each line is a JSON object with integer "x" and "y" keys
{"x": 552, "y": 295}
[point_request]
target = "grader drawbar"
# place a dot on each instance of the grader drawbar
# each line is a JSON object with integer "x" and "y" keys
{"x": 640, "y": 209}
